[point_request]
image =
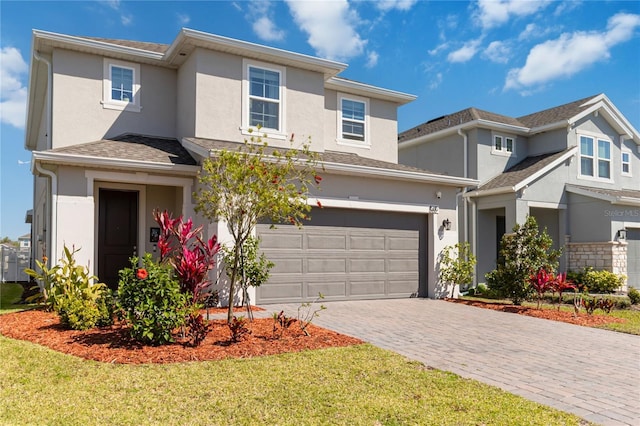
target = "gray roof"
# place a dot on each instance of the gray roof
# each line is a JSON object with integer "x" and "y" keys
{"x": 327, "y": 156}
{"x": 521, "y": 171}
{"x": 152, "y": 47}
{"x": 626, "y": 193}
{"x": 134, "y": 147}
{"x": 537, "y": 119}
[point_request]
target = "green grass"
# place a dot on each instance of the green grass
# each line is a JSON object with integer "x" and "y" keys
{"x": 10, "y": 294}
{"x": 358, "y": 385}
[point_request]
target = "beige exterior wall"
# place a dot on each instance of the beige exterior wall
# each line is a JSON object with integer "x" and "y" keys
{"x": 186, "y": 99}
{"x": 79, "y": 115}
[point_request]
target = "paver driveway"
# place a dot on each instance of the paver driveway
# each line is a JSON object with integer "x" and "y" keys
{"x": 589, "y": 372}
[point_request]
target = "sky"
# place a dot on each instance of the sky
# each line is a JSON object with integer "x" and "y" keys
{"x": 504, "y": 56}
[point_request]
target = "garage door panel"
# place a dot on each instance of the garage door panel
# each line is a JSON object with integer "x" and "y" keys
{"x": 370, "y": 255}
{"x": 367, "y": 288}
{"x": 281, "y": 240}
{"x": 316, "y": 265}
{"x": 328, "y": 289}
{"x": 363, "y": 242}
{"x": 633, "y": 258}
{"x": 326, "y": 242}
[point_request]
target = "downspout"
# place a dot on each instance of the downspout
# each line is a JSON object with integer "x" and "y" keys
{"x": 467, "y": 200}
{"x": 53, "y": 217}
{"x": 38, "y": 57}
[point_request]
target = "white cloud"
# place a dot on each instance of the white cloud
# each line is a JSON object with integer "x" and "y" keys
{"x": 372, "y": 59}
{"x": 267, "y": 30}
{"x": 183, "y": 19}
{"x": 403, "y": 5}
{"x": 13, "y": 93}
{"x": 532, "y": 31}
{"x": 493, "y": 13}
{"x": 571, "y": 53}
{"x": 438, "y": 49}
{"x": 126, "y": 19}
{"x": 437, "y": 80}
{"x": 465, "y": 53}
{"x": 330, "y": 26}
{"x": 567, "y": 6}
{"x": 498, "y": 52}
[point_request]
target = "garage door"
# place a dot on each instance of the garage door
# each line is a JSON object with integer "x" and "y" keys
{"x": 633, "y": 258}
{"x": 345, "y": 254}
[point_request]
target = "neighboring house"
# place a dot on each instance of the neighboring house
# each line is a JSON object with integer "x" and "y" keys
{"x": 24, "y": 242}
{"x": 575, "y": 168}
{"x": 120, "y": 128}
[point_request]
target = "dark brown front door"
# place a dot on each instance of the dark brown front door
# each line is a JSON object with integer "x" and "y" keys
{"x": 117, "y": 233}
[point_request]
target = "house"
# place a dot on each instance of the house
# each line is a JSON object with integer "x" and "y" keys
{"x": 119, "y": 128}
{"x": 24, "y": 242}
{"x": 575, "y": 168}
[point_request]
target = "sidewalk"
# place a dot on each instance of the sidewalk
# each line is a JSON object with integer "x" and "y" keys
{"x": 592, "y": 373}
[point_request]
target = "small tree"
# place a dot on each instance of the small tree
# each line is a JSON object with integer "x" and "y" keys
{"x": 522, "y": 254}
{"x": 456, "y": 265}
{"x": 252, "y": 183}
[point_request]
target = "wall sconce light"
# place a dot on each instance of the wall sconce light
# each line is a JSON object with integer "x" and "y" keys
{"x": 438, "y": 195}
{"x": 446, "y": 224}
{"x": 622, "y": 234}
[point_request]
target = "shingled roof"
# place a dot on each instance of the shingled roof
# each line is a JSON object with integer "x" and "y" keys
{"x": 617, "y": 193}
{"x": 134, "y": 147}
{"x": 152, "y": 47}
{"x": 521, "y": 171}
{"x": 327, "y": 156}
{"x": 537, "y": 119}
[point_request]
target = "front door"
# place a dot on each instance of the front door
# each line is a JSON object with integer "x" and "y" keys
{"x": 117, "y": 233}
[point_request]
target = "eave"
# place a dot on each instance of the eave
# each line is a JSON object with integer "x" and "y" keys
{"x": 343, "y": 85}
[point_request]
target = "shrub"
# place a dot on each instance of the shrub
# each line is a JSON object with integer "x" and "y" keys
{"x": 481, "y": 288}
{"x": 522, "y": 254}
{"x": 253, "y": 268}
{"x": 634, "y": 295}
{"x": 238, "y": 328}
{"x": 601, "y": 281}
{"x": 151, "y": 300}
{"x": 71, "y": 291}
{"x": 456, "y": 265}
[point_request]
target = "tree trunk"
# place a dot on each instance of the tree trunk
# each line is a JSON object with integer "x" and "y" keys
{"x": 232, "y": 284}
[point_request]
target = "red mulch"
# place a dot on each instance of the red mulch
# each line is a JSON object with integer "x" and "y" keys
{"x": 115, "y": 345}
{"x": 582, "y": 318}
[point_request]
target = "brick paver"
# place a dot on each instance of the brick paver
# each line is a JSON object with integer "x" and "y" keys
{"x": 592, "y": 373}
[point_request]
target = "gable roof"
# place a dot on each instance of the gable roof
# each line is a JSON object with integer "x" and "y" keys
{"x": 524, "y": 173}
{"x": 343, "y": 163}
{"x": 541, "y": 121}
{"x": 126, "y": 150}
{"x": 614, "y": 196}
{"x": 151, "y": 47}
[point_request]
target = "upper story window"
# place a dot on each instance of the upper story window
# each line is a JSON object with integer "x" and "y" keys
{"x": 353, "y": 120}
{"x": 121, "y": 85}
{"x": 504, "y": 145}
{"x": 595, "y": 157}
{"x": 626, "y": 162}
{"x": 263, "y": 98}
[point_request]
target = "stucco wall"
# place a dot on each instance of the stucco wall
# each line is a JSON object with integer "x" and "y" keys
{"x": 441, "y": 156}
{"x": 79, "y": 115}
{"x": 551, "y": 141}
{"x": 588, "y": 219}
{"x": 492, "y": 164}
{"x": 186, "y": 98}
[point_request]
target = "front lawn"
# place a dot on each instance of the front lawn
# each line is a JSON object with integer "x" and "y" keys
{"x": 10, "y": 294}
{"x": 355, "y": 385}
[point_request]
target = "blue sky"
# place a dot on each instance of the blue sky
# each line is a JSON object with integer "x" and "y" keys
{"x": 508, "y": 57}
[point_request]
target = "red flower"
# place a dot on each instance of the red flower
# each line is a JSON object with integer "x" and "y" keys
{"x": 142, "y": 274}
{"x": 318, "y": 179}
{"x": 319, "y": 203}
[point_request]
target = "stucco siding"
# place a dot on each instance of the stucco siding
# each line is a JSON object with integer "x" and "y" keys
{"x": 186, "y": 99}
{"x": 632, "y": 181}
{"x": 494, "y": 164}
{"x": 159, "y": 198}
{"x": 550, "y": 187}
{"x": 551, "y": 141}
{"x": 589, "y": 219}
{"x": 440, "y": 156}
{"x": 78, "y": 92}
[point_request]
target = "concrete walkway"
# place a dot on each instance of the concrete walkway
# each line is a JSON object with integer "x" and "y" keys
{"x": 592, "y": 373}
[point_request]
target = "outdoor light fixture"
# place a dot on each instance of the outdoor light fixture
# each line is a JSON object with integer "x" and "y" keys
{"x": 446, "y": 224}
{"x": 622, "y": 234}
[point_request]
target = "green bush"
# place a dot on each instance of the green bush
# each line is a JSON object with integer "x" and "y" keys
{"x": 481, "y": 288}
{"x": 522, "y": 254}
{"x": 601, "y": 281}
{"x": 71, "y": 291}
{"x": 456, "y": 265}
{"x": 151, "y": 300}
{"x": 634, "y": 295}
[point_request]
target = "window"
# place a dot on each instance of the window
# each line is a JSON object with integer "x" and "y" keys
{"x": 263, "y": 99}
{"x": 353, "y": 120}
{"x": 595, "y": 157}
{"x": 626, "y": 162}
{"x": 503, "y": 145}
{"x": 121, "y": 85}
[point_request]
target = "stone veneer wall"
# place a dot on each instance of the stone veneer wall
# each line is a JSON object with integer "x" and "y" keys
{"x": 610, "y": 256}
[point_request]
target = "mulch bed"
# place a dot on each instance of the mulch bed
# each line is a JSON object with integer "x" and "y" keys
{"x": 115, "y": 345}
{"x": 582, "y": 318}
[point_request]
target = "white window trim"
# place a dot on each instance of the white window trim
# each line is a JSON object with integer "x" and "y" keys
{"x": 366, "y": 143}
{"x": 622, "y": 162}
{"x": 503, "y": 151}
{"x": 595, "y": 137}
{"x": 245, "y": 128}
{"x": 109, "y": 103}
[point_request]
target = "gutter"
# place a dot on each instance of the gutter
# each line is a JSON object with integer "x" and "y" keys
{"x": 53, "y": 206}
